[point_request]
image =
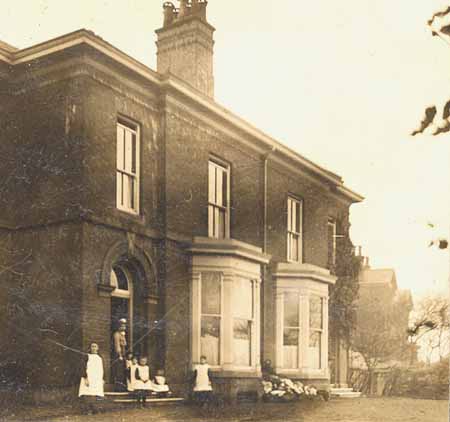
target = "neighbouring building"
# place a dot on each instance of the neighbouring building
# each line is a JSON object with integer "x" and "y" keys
{"x": 128, "y": 192}
{"x": 384, "y": 308}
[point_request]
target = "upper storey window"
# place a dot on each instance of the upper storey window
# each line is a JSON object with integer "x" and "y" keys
{"x": 294, "y": 230}
{"x": 127, "y": 172}
{"x": 218, "y": 200}
{"x": 331, "y": 237}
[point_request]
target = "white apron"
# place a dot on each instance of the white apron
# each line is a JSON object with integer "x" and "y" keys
{"x": 202, "y": 381}
{"x": 144, "y": 374}
{"x": 94, "y": 372}
{"x": 131, "y": 384}
{"x": 160, "y": 386}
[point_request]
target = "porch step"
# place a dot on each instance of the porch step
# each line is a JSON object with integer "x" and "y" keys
{"x": 345, "y": 393}
{"x": 125, "y": 397}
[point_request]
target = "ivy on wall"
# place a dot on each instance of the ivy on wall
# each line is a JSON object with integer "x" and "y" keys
{"x": 343, "y": 295}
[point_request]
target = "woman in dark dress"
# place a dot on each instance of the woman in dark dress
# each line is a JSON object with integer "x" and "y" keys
{"x": 118, "y": 367}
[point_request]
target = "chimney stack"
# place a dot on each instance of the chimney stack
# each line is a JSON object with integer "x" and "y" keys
{"x": 185, "y": 45}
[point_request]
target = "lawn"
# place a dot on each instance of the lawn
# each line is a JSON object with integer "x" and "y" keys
{"x": 342, "y": 410}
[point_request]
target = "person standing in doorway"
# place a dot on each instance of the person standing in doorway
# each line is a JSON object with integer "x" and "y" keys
{"x": 119, "y": 354}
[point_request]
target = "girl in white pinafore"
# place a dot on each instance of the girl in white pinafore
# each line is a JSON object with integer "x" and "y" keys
{"x": 91, "y": 383}
{"x": 142, "y": 383}
{"x": 202, "y": 382}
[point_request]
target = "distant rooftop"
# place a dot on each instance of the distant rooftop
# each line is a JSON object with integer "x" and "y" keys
{"x": 378, "y": 276}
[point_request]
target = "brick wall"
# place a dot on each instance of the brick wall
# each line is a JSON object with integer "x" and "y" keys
{"x": 44, "y": 301}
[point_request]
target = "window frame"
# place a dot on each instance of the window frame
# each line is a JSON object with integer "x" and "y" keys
{"x": 130, "y": 126}
{"x": 220, "y": 316}
{"x": 292, "y": 233}
{"x": 312, "y": 330}
{"x": 298, "y": 328}
{"x": 332, "y": 222}
{"x": 213, "y": 230}
{"x": 251, "y": 322}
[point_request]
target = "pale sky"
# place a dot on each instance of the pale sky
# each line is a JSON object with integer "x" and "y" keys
{"x": 341, "y": 82}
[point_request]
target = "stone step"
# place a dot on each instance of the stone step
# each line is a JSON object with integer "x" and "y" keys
{"x": 347, "y": 395}
{"x": 341, "y": 390}
{"x": 126, "y": 397}
{"x": 151, "y": 401}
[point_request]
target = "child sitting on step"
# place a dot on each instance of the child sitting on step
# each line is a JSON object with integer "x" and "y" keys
{"x": 142, "y": 384}
{"x": 131, "y": 365}
{"x": 159, "y": 386}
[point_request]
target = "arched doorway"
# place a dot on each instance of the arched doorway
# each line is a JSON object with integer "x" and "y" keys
{"x": 129, "y": 281}
{"x": 129, "y": 301}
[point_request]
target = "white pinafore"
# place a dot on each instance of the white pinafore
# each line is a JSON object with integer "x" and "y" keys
{"x": 144, "y": 375}
{"x": 202, "y": 381}
{"x": 94, "y": 372}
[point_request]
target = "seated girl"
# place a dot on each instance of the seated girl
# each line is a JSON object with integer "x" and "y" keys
{"x": 159, "y": 384}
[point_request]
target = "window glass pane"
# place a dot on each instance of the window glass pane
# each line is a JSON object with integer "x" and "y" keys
{"x": 291, "y": 318}
{"x": 314, "y": 350}
{"x": 133, "y": 152}
{"x": 225, "y": 188}
{"x": 297, "y": 216}
{"x": 243, "y": 298}
{"x": 221, "y": 223}
{"x": 212, "y": 183}
{"x": 294, "y": 246}
{"x": 128, "y": 151}
{"x": 132, "y": 193}
{"x": 315, "y": 312}
{"x": 210, "y": 293}
{"x": 289, "y": 224}
{"x": 119, "y": 188}
{"x": 210, "y": 339}
{"x": 241, "y": 342}
{"x": 126, "y": 191}
{"x": 219, "y": 186}
{"x": 290, "y": 357}
{"x": 120, "y": 147}
{"x": 210, "y": 221}
{"x": 294, "y": 216}
{"x": 119, "y": 279}
{"x": 290, "y": 336}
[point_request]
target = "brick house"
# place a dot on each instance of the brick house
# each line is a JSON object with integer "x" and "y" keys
{"x": 132, "y": 193}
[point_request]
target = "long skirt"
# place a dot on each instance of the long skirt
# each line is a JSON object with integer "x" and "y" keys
{"x": 119, "y": 374}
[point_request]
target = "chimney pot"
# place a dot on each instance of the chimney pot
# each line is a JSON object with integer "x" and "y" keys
{"x": 184, "y": 8}
{"x": 169, "y": 13}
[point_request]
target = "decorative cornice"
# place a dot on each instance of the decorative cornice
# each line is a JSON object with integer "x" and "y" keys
{"x": 230, "y": 247}
{"x": 293, "y": 270}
